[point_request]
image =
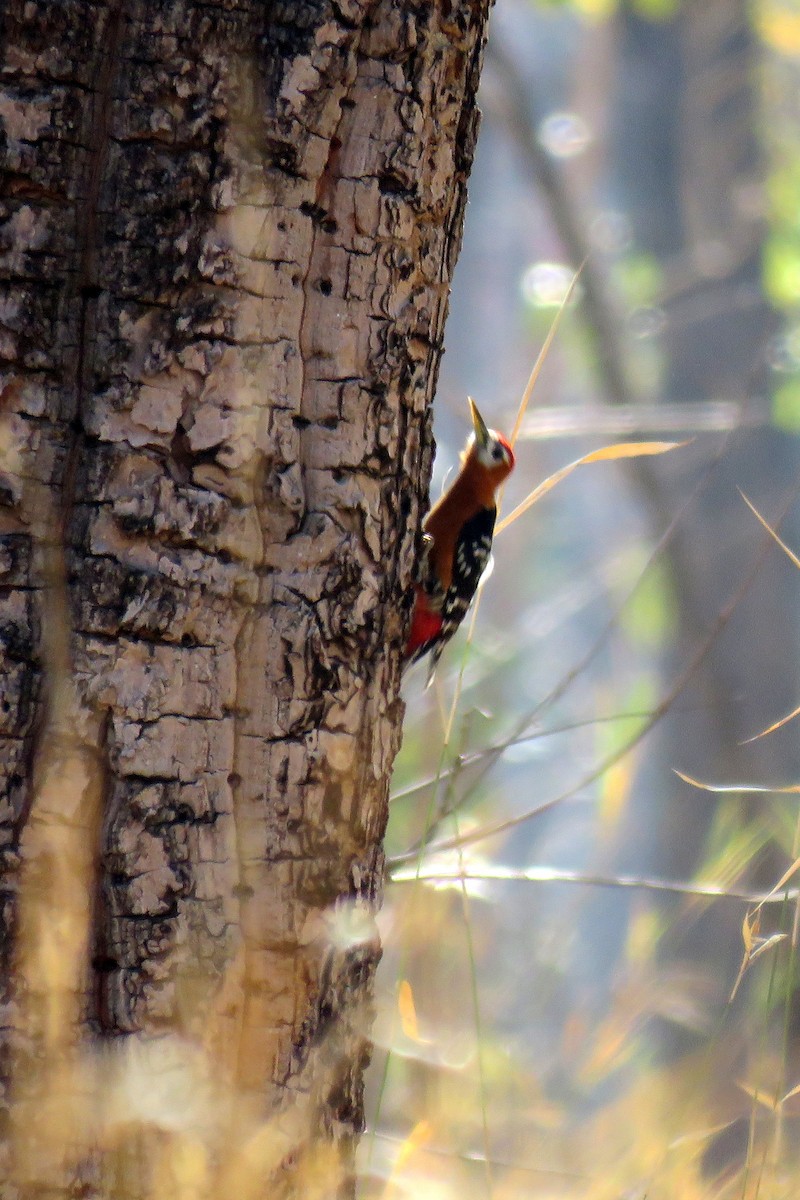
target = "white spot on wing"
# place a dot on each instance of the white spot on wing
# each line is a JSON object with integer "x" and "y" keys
{"x": 487, "y": 570}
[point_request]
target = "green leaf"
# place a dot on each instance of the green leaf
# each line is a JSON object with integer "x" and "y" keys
{"x": 641, "y": 278}
{"x": 656, "y": 10}
{"x": 649, "y": 616}
{"x": 782, "y": 270}
{"x": 786, "y": 406}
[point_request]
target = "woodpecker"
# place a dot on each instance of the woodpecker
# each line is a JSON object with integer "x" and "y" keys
{"x": 458, "y": 542}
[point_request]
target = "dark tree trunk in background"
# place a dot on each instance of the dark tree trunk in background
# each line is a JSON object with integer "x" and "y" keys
{"x": 687, "y": 151}
{"x": 228, "y": 235}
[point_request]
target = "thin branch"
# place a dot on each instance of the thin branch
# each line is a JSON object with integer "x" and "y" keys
{"x": 591, "y": 777}
{"x": 488, "y": 873}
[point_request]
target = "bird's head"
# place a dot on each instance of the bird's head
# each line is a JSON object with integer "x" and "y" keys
{"x": 488, "y": 448}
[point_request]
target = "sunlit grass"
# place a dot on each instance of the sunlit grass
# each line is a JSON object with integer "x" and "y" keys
{"x": 677, "y": 1085}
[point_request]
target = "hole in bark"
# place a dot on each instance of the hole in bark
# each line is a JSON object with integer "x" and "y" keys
{"x": 283, "y": 155}
{"x": 91, "y": 291}
{"x": 16, "y": 640}
{"x": 234, "y": 780}
{"x": 301, "y": 422}
{"x": 315, "y": 211}
{"x": 104, "y": 964}
{"x": 336, "y": 143}
{"x": 188, "y": 639}
{"x": 130, "y": 523}
{"x": 347, "y": 102}
{"x": 325, "y": 1011}
{"x": 390, "y": 184}
{"x": 325, "y": 286}
{"x": 329, "y": 225}
{"x": 181, "y": 454}
{"x": 341, "y": 1098}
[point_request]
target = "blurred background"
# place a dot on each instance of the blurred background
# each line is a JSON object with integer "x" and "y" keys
{"x": 585, "y": 1002}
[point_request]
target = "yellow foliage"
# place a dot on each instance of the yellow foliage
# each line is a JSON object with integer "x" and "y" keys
{"x": 779, "y": 26}
{"x": 407, "y": 1010}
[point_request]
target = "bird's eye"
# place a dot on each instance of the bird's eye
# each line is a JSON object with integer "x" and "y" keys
{"x": 497, "y": 452}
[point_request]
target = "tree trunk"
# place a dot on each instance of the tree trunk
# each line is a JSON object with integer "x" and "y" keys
{"x": 228, "y": 236}
{"x": 688, "y": 160}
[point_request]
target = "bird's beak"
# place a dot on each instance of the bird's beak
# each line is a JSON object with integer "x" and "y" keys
{"x": 478, "y": 424}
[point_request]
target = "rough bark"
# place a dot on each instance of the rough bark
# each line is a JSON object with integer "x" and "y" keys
{"x": 227, "y": 237}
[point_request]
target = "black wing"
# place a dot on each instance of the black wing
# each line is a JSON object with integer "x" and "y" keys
{"x": 470, "y": 560}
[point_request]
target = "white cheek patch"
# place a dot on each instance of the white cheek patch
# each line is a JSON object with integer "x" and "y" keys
{"x": 485, "y": 454}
